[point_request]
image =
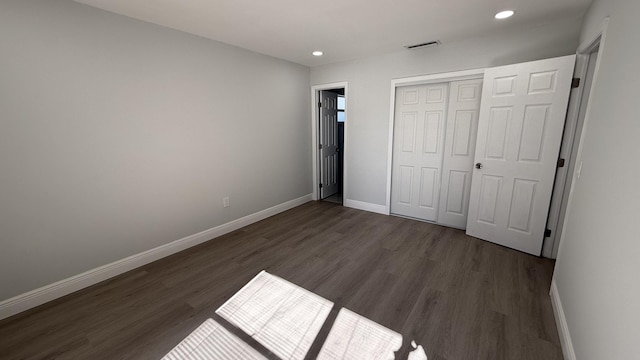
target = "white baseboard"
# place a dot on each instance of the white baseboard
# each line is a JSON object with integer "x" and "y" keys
{"x": 360, "y": 205}
{"x": 561, "y": 323}
{"x": 64, "y": 287}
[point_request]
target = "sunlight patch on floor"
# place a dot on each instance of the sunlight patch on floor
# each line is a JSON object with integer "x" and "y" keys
{"x": 356, "y": 337}
{"x": 283, "y": 317}
{"x": 211, "y": 341}
{"x": 286, "y": 320}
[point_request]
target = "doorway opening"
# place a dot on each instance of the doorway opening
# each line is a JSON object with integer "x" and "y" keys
{"x": 569, "y": 164}
{"x": 329, "y": 135}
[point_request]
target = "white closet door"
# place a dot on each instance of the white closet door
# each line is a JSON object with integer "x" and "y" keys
{"x": 519, "y": 133}
{"x": 459, "y": 150}
{"x": 417, "y": 150}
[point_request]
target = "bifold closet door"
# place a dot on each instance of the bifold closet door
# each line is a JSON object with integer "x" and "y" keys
{"x": 459, "y": 149}
{"x": 417, "y": 150}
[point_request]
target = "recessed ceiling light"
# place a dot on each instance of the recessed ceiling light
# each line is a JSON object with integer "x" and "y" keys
{"x": 504, "y": 14}
{"x": 317, "y": 53}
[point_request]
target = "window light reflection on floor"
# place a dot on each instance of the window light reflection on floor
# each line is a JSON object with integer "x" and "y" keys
{"x": 286, "y": 319}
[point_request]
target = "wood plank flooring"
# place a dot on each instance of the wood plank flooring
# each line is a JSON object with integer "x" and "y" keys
{"x": 459, "y": 297}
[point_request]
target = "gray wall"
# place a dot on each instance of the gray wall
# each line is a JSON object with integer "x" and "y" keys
{"x": 598, "y": 268}
{"x": 370, "y": 81}
{"x": 118, "y": 136}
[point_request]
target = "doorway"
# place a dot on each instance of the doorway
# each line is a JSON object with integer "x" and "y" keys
{"x": 585, "y": 76}
{"x": 329, "y": 142}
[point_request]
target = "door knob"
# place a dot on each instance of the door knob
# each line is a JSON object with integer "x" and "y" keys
{"x": 478, "y": 165}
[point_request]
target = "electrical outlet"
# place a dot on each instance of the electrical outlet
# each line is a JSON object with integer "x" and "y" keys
{"x": 225, "y": 201}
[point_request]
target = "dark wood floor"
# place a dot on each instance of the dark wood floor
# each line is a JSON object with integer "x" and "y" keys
{"x": 459, "y": 297}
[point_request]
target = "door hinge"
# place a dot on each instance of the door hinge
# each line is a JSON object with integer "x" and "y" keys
{"x": 320, "y": 186}
{"x": 560, "y": 162}
{"x": 575, "y": 83}
{"x": 320, "y": 146}
{"x": 319, "y": 104}
{"x": 547, "y": 233}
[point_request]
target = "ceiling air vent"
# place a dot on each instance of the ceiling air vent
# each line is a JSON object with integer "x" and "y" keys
{"x": 430, "y": 43}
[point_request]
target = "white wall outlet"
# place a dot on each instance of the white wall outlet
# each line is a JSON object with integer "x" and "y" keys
{"x": 225, "y": 201}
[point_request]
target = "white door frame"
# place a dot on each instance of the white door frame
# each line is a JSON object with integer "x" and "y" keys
{"x": 417, "y": 80}
{"x": 563, "y": 203}
{"x": 315, "y": 163}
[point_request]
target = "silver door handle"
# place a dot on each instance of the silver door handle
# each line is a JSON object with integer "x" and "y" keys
{"x": 478, "y": 165}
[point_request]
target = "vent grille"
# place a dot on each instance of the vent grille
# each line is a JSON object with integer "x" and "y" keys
{"x": 430, "y": 43}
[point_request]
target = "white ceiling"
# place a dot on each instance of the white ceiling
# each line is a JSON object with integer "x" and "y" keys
{"x": 343, "y": 29}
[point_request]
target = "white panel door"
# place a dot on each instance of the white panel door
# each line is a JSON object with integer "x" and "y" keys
{"x": 328, "y": 144}
{"x": 459, "y": 149}
{"x": 519, "y": 133}
{"x": 417, "y": 150}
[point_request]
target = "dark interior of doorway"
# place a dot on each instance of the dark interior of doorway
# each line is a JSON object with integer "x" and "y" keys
{"x": 338, "y": 198}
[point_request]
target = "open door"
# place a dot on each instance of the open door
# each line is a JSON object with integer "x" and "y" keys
{"x": 328, "y": 143}
{"x": 522, "y": 116}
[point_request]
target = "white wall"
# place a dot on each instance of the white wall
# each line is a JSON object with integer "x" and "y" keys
{"x": 598, "y": 268}
{"x": 370, "y": 80}
{"x": 118, "y": 136}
